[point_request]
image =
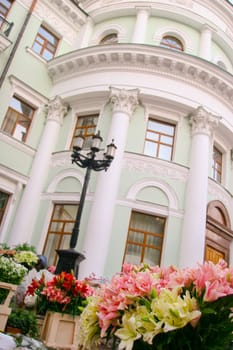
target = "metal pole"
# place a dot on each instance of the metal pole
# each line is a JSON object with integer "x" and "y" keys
{"x": 75, "y": 232}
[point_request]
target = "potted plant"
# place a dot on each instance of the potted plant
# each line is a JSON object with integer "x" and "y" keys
{"x": 153, "y": 308}
{"x": 24, "y": 321}
{"x": 61, "y": 299}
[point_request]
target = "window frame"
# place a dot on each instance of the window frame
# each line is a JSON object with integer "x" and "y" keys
{"x": 79, "y": 129}
{"x": 7, "y": 9}
{"x": 173, "y": 39}
{"x": 60, "y": 233}
{"x": 144, "y": 244}
{"x": 216, "y": 174}
{"x": 18, "y": 115}
{"x": 109, "y": 39}
{"x": 45, "y": 43}
{"x": 3, "y": 210}
{"x": 159, "y": 121}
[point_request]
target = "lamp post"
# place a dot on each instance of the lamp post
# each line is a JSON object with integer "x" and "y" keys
{"x": 69, "y": 259}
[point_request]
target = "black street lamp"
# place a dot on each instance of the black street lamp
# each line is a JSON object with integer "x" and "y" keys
{"x": 69, "y": 259}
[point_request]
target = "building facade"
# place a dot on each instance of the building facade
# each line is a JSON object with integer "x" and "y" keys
{"x": 155, "y": 77}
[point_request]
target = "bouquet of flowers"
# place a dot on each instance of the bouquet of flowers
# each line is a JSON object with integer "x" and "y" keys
{"x": 23, "y": 254}
{"x": 63, "y": 293}
{"x": 145, "y": 308}
{"x": 10, "y": 272}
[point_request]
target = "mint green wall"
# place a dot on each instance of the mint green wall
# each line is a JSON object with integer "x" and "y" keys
{"x": 15, "y": 159}
{"x": 219, "y": 54}
{"x": 137, "y": 131}
{"x": 118, "y": 240}
{"x": 171, "y": 242}
{"x": 182, "y": 142}
{"x": 16, "y": 15}
{"x": 152, "y": 195}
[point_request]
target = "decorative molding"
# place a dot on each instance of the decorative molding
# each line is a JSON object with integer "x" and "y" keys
{"x": 217, "y": 192}
{"x": 155, "y": 166}
{"x": 56, "y": 110}
{"x": 151, "y": 60}
{"x": 203, "y": 122}
{"x": 124, "y": 100}
{"x": 63, "y": 175}
{"x": 61, "y": 159}
{"x": 108, "y": 29}
{"x": 25, "y": 91}
{"x": 160, "y": 184}
{"x": 62, "y": 15}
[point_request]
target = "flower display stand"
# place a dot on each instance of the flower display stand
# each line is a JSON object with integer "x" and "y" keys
{"x": 60, "y": 331}
{"x": 5, "y": 310}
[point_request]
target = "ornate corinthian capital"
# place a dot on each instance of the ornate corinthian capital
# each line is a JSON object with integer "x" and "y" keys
{"x": 124, "y": 100}
{"x": 203, "y": 122}
{"x": 56, "y": 110}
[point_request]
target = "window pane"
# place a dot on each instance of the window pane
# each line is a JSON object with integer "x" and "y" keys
{"x": 158, "y": 135}
{"x": 60, "y": 229}
{"x": 47, "y": 55}
{"x": 150, "y": 149}
{"x": 165, "y": 152}
{"x": 133, "y": 254}
{"x": 152, "y": 256}
{"x": 86, "y": 126}
{"x": 172, "y": 43}
{"x": 18, "y": 119}
{"x": 45, "y": 43}
{"x": 145, "y": 238}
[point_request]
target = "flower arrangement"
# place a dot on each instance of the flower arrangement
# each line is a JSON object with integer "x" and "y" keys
{"x": 145, "y": 308}
{"x": 23, "y": 254}
{"x": 11, "y": 271}
{"x": 26, "y": 258}
{"x": 63, "y": 293}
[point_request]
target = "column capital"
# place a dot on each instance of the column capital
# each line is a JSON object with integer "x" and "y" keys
{"x": 124, "y": 100}
{"x": 56, "y": 109}
{"x": 203, "y": 122}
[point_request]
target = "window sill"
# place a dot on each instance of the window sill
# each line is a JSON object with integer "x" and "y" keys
{"x": 33, "y": 53}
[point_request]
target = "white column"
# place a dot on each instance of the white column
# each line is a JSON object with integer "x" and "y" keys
{"x": 206, "y": 43}
{"x": 98, "y": 233}
{"x": 85, "y": 34}
{"x": 27, "y": 211}
{"x": 194, "y": 224}
{"x": 140, "y": 25}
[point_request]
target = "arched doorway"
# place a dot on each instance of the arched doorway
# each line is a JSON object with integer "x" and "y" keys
{"x": 218, "y": 233}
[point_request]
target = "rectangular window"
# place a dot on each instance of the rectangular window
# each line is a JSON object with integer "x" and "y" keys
{"x": 18, "y": 119}
{"x": 159, "y": 140}
{"x": 60, "y": 230}
{"x": 145, "y": 239}
{"x": 217, "y": 165}
{"x": 4, "y": 197}
{"x": 86, "y": 126}
{"x": 5, "y": 6}
{"x": 45, "y": 44}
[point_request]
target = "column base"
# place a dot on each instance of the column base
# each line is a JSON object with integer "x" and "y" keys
{"x": 69, "y": 260}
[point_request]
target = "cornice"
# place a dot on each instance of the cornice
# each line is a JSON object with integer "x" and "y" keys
{"x": 148, "y": 59}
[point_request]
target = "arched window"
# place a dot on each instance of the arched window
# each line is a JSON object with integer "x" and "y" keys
{"x": 109, "y": 39}
{"x": 218, "y": 233}
{"x": 172, "y": 42}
